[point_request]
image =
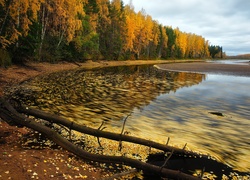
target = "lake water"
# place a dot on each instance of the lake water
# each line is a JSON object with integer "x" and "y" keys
{"x": 185, "y": 117}
{"x": 157, "y": 104}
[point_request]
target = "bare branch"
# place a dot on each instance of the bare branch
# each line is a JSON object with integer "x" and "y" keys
{"x": 123, "y": 127}
{"x": 119, "y": 175}
{"x": 8, "y": 112}
{"x": 167, "y": 159}
{"x": 184, "y": 146}
{"x": 168, "y": 140}
{"x": 113, "y": 136}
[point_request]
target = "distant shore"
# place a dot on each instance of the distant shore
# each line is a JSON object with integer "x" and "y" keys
{"x": 211, "y": 68}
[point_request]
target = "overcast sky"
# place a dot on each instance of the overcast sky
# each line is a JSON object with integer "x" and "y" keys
{"x": 222, "y": 22}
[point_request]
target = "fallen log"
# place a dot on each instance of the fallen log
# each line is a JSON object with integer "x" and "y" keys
{"x": 9, "y": 113}
{"x": 105, "y": 134}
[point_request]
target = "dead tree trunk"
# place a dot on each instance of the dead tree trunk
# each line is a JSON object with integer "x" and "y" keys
{"x": 8, "y": 113}
{"x": 105, "y": 134}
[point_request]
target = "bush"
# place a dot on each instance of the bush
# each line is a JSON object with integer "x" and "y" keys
{"x": 5, "y": 59}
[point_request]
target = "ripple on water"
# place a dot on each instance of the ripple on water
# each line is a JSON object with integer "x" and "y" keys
{"x": 162, "y": 105}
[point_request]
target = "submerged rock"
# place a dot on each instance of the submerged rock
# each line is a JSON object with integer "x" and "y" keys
{"x": 217, "y": 113}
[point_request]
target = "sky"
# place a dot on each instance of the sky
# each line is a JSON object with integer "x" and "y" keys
{"x": 222, "y": 22}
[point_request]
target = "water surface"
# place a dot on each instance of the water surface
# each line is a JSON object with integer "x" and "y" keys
{"x": 161, "y": 104}
{"x": 185, "y": 117}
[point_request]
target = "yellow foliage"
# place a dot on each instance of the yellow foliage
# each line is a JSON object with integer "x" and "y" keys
{"x": 2, "y": 3}
{"x": 181, "y": 41}
{"x": 156, "y": 33}
{"x": 104, "y": 10}
{"x": 61, "y": 17}
{"x": 130, "y": 33}
{"x": 116, "y": 4}
{"x": 141, "y": 30}
{"x": 20, "y": 12}
{"x": 4, "y": 42}
{"x": 63, "y": 20}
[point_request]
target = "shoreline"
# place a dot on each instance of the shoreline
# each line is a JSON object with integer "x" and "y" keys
{"x": 18, "y": 73}
{"x": 21, "y": 162}
{"x": 18, "y": 161}
{"x": 208, "y": 68}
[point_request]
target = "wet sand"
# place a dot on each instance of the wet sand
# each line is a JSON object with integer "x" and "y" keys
{"x": 211, "y": 68}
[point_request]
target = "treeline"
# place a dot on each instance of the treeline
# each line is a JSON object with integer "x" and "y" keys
{"x": 240, "y": 56}
{"x": 216, "y": 51}
{"x": 78, "y": 30}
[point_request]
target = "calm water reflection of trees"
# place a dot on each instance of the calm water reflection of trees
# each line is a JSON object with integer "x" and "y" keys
{"x": 104, "y": 94}
{"x": 111, "y": 94}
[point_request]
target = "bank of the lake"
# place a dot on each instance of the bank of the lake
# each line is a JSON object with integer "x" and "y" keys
{"x": 19, "y": 73}
{"x": 239, "y": 69}
{"x": 40, "y": 70}
{"x": 20, "y": 162}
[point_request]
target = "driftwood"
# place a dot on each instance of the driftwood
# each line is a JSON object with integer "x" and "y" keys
{"x": 122, "y": 174}
{"x": 9, "y": 113}
{"x": 109, "y": 135}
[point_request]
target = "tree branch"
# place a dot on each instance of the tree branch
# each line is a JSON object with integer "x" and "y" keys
{"x": 8, "y": 112}
{"x": 98, "y": 133}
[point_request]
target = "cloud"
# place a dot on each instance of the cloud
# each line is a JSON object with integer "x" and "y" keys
{"x": 224, "y": 23}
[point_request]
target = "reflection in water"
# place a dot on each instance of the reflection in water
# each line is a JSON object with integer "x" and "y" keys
{"x": 162, "y": 104}
{"x": 184, "y": 116}
{"x": 106, "y": 94}
{"x": 232, "y": 61}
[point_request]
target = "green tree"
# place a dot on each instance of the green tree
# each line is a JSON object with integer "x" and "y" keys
{"x": 215, "y": 51}
{"x": 163, "y": 42}
{"x": 112, "y": 37}
{"x": 171, "y": 42}
{"x": 16, "y": 18}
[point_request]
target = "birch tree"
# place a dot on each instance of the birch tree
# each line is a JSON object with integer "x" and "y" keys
{"x": 60, "y": 19}
{"x": 15, "y": 20}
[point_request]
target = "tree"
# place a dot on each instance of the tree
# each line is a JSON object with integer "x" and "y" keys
{"x": 92, "y": 10}
{"x": 15, "y": 24}
{"x": 60, "y": 19}
{"x": 130, "y": 29}
{"x": 171, "y": 42}
{"x": 50, "y": 30}
{"x": 16, "y": 16}
{"x": 163, "y": 42}
{"x": 103, "y": 25}
{"x": 181, "y": 43}
{"x": 113, "y": 36}
{"x": 215, "y": 51}
{"x": 152, "y": 50}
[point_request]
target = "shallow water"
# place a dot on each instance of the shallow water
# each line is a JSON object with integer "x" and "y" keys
{"x": 185, "y": 117}
{"x": 232, "y": 61}
{"x": 160, "y": 104}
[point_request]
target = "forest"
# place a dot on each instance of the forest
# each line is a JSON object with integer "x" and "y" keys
{"x": 80, "y": 30}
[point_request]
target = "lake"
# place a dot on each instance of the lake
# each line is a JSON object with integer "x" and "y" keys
{"x": 157, "y": 105}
